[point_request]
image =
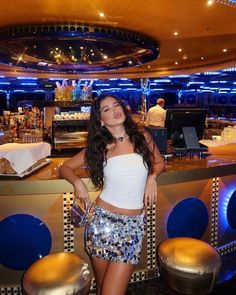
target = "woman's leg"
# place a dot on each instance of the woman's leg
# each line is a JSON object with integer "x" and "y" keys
{"x": 99, "y": 269}
{"x": 117, "y": 277}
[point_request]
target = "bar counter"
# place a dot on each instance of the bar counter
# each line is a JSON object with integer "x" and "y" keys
{"x": 195, "y": 198}
{"x": 221, "y": 161}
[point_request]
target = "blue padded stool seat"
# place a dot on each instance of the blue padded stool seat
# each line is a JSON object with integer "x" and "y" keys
{"x": 58, "y": 274}
{"x": 188, "y": 266}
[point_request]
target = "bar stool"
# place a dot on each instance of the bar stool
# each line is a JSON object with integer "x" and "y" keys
{"x": 188, "y": 266}
{"x": 59, "y": 273}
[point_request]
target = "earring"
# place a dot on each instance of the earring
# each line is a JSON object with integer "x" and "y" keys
{"x": 102, "y": 124}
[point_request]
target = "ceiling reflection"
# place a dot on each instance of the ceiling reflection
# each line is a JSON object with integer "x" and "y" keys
{"x": 74, "y": 48}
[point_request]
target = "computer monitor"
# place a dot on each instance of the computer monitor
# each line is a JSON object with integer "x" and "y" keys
{"x": 176, "y": 119}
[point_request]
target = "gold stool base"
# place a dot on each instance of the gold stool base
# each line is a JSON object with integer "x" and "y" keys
{"x": 188, "y": 266}
{"x": 59, "y": 273}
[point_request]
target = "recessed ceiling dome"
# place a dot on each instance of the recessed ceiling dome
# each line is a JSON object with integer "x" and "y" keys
{"x": 74, "y": 48}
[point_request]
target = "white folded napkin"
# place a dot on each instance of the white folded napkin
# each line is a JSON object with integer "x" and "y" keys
{"x": 24, "y": 155}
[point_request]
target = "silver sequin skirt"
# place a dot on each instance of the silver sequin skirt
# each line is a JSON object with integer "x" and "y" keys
{"x": 115, "y": 237}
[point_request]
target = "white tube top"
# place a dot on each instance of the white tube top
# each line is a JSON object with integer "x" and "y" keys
{"x": 125, "y": 179}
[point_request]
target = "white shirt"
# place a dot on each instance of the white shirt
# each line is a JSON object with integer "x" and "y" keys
{"x": 156, "y": 116}
{"x": 125, "y": 180}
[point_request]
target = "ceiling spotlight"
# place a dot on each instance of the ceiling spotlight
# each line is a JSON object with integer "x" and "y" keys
{"x": 180, "y": 49}
{"x": 184, "y": 56}
{"x": 101, "y": 14}
{"x": 149, "y": 67}
{"x": 202, "y": 57}
{"x": 224, "y": 50}
{"x": 210, "y": 2}
{"x": 176, "y": 63}
{"x": 176, "y": 33}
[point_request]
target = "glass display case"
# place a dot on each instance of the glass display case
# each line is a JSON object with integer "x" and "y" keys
{"x": 69, "y": 133}
{"x": 67, "y": 123}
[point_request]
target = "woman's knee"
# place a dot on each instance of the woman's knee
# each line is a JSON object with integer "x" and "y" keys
{"x": 116, "y": 278}
{"x": 99, "y": 269}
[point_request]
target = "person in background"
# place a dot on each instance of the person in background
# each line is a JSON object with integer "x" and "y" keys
{"x": 156, "y": 115}
{"x": 123, "y": 164}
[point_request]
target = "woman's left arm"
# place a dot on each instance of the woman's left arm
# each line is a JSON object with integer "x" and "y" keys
{"x": 150, "y": 196}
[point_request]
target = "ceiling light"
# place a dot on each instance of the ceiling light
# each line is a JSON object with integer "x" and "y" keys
{"x": 224, "y": 50}
{"x": 176, "y": 33}
{"x": 210, "y": 2}
{"x": 202, "y": 57}
{"x": 176, "y": 63}
{"x": 101, "y": 14}
{"x": 180, "y": 49}
{"x": 69, "y": 48}
{"x": 184, "y": 56}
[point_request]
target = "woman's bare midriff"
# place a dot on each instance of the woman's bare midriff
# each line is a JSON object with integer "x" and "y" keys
{"x": 117, "y": 210}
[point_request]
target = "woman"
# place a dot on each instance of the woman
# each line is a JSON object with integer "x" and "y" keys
{"x": 123, "y": 163}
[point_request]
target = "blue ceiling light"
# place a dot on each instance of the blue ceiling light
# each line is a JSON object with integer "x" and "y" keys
{"x": 179, "y": 76}
{"x": 26, "y": 78}
{"x": 162, "y": 80}
{"x": 218, "y": 82}
{"x": 157, "y": 89}
{"x": 195, "y": 83}
{"x": 28, "y": 84}
{"x": 211, "y": 73}
{"x": 229, "y": 70}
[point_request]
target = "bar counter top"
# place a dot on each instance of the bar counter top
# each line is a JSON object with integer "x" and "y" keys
{"x": 220, "y": 162}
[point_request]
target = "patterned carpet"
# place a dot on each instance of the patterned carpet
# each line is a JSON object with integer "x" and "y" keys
{"x": 158, "y": 287}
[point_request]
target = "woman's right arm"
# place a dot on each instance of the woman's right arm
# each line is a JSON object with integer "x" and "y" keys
{"x": 66, "y": 171}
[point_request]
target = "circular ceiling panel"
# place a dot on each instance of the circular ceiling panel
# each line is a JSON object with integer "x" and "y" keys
{"x": 74, "y": 48}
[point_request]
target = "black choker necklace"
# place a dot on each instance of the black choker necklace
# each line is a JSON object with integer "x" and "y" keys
{"x": 120, "y": 137}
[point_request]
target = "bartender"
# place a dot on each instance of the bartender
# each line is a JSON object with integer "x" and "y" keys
{"x": 156, "y": 115}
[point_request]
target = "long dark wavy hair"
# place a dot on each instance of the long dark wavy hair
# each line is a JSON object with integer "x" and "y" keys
{"x": 99, "y": 137}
